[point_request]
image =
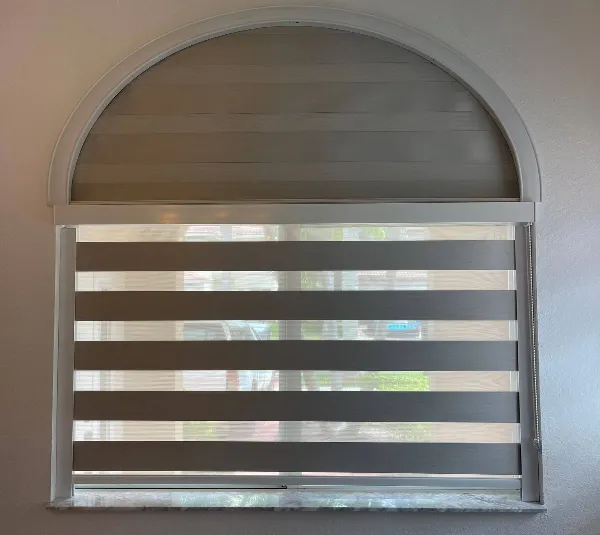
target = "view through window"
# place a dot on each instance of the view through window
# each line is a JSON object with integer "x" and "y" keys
{"x": 401, "y": 329}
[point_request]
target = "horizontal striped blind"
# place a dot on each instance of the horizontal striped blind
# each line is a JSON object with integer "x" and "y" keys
{"x": 294, "y": 114}
{"x": 281, "y": 350}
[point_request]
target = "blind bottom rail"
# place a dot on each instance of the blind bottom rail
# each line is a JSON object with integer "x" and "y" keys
{"x": 186, "y": 481}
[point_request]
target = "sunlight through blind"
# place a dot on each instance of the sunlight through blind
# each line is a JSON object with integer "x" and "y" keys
{"x": 296, "y": 349}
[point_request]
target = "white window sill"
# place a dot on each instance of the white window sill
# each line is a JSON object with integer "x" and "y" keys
{"x": 292, "y": 500}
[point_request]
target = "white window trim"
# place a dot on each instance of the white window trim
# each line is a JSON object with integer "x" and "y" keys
{"x": 91, "y": 106}
{"x": 469, "y": 213}
{"x": 473, "y": 77}
{"x": 64, "y": 350}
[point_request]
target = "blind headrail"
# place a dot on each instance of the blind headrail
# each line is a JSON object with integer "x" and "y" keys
{"x": 367, "y": 213}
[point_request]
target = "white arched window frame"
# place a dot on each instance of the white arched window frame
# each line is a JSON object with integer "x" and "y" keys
{"x": 521, "y": 212}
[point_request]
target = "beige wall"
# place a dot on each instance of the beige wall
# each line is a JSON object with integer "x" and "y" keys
{"x": 543, "y": 53}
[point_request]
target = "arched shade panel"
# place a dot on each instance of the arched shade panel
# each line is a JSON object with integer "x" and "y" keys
{"x": 294, "y": 114}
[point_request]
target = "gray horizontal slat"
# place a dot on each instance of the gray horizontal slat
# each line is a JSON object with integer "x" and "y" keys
{"x": 415, "y": 71}
{"x": 320, "y": 46}
{"x": 296, "y": 305}
{"x": 292, "y": 122}
{"x": 492, "y": 459}
{"x": 486, "y": 407}
{"x": 295, "y": 255}
{"x": 293, "y": 191}
{"x": 361, "y": 97}
{"x": 409, "y": 172}
{"x": 297, "y": 355}
{"x": 458, "y": 146}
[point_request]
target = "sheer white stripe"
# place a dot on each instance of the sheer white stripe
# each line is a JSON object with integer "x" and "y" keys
{"x": 302, "y": 431}
{"x": 294, "y": 280}
{"x": 395, "y": 329}
{"x": 161, "y": 233}
{"x": 307, "y": 380}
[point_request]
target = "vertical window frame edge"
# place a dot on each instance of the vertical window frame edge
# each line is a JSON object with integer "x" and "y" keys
{"x": 63, "y": 364}
{"x": 62, "y": 476}
{"x": 528, "y": 366}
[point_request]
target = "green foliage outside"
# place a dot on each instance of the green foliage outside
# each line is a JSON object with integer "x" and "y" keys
{"x": 194, "y": 430}
{"x": 394, "y": 381}
{"x": 380, "y": 381}
{"x": 366, "y": 381}
{"x": 311, "y": 330}
{"x": 389, "y": 382}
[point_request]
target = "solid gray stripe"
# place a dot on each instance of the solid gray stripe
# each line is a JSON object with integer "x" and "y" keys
{"x": 297, "y": 355}
{"x": 492, "y": 459}
{"x": 305, "y": 122}
{"x": 316, "y": 305}
{"x": 487, "y": 407}
{"x": 223, "y": 173}
{"x": 292, "y": 147}
{"x": 295, "y": 256}
{"x": 325, "y": 97}
{"x": 293, "y": 191}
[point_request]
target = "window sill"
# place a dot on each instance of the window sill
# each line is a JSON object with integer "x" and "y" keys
{"x": 292, "y": 500}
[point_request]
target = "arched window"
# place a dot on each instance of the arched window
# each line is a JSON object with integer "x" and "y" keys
{"x": 301, "y": 256}
{"x": 294, "y": 115}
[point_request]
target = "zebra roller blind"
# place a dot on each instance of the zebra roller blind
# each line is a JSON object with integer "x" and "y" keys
{"x": 294, "y": 114}
{"x": 347, "y": 351}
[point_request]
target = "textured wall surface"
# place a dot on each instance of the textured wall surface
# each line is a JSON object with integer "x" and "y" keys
{"x": 543, "y": 53}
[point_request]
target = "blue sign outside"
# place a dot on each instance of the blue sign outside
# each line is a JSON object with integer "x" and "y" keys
{"x": 404, "y": 325}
